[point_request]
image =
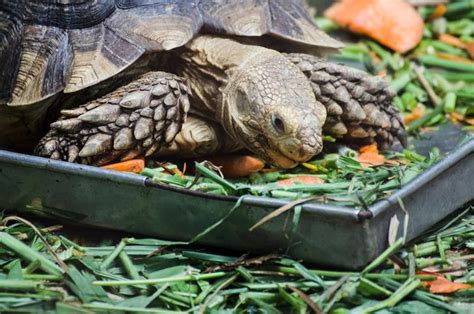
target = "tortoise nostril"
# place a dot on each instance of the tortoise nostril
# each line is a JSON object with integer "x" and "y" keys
{"x": 303, "y": 152}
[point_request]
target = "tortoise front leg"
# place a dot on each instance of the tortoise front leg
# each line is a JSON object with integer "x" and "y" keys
{"x": 137, "y": 119}
{"x": 359, "y": 106}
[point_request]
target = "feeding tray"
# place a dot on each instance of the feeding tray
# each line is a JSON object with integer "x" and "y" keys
{"x": 326, "y": 234}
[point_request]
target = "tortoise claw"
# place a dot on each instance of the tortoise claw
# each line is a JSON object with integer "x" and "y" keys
{"x": 136, "y": 119}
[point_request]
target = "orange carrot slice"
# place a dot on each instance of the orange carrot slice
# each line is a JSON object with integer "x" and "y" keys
{"x": 134, "y": 165}
{"x": 372, "y": 148}
{"x": 446, "y": 286}
{"x": 417, "y": 113}
{"x": 370, "y": 156}
{"x": 395, "y": 23}
{"x": 237, "y": 166}
{"x": 447, "y": 56}
{"x": 443, "y": 285}
{"x": 301, "y": 179}
{"x": 452, "y": 40}
{"x": 371, "y": 159}
{"x": 456, "y": 117}
{"x": 172, "y": 169}
{"x": 470, "y": 49}
{"x": 439, "y": 11}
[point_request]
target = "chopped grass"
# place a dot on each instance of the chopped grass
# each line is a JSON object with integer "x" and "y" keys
{"x": 203, "y": 281}
{"x": 347, "y": 182}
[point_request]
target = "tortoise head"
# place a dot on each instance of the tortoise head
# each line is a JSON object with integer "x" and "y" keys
{"x": 270, "y": 108}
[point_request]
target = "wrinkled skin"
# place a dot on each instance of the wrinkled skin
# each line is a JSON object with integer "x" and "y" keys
{"x": 274, "y": 112}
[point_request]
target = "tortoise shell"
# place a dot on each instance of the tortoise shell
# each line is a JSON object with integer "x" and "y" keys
{"x": 49, "y": 46}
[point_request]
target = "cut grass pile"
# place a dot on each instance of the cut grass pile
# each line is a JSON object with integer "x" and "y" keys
{"x": 43, "y": 270}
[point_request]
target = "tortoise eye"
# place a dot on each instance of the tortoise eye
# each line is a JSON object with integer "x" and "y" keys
{"x": 278, "y": 124}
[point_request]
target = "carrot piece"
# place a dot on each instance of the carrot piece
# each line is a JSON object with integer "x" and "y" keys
{"x": 372, "y": 148}
{"x": 443, "y": 285}
{"x": 447, "y": 56}
{"x": 452, "y": 40}
{"x": 417, "y": 113}
{"x": 470, "y": 49}
{"x": 370, "y": 156}
{"x": 371, "y": 159}
{"x": 446, "y": 286}
{"x": 172, "y": 169}
{"x": 439, "y": 11}
{"x": 177, "y": 171}
{"x": 237, "y": 166}
{"x": 456, "y": 117}
{"x": 301, "y": 179}
{"x": 395, "y": 23}
{"x": 134, "y": 165}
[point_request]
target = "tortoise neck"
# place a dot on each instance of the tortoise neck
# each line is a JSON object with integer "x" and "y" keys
{"x": 209, "y": 63}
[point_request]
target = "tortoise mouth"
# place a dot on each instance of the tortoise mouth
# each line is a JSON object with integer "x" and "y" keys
{"x": 281, "y": 160}
{"x": 291, "y": 152}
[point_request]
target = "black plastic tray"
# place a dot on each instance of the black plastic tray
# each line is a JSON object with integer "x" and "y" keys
{"x": 327, "y": 235}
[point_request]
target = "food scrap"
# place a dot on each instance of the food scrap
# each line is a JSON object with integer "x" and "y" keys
{"x": 394, "y": 23}
{"x": 344, "y": 178}
{"x": 369, "y": 156}
{"x": 441, "y": 285}
{"x": 237, "y": 166}
{"x": 134, "y": 165}
{"x": 435, "y": 80}
{"x": 300, "y": 179}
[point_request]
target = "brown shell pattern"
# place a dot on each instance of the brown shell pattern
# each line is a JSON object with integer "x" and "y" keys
{"x": 50, "y": 46}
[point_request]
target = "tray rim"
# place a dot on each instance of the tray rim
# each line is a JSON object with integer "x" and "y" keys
{"x": 314, "y": 208}
{"x": 461, "y": 152}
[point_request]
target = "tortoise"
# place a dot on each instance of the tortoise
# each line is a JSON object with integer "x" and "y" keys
{"x": 128, "y": 76}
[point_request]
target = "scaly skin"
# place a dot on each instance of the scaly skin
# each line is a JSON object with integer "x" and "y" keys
{"x": 273, "y": 104}
{"x": 136, "y": 119}
{"x": 359, "y": 106}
